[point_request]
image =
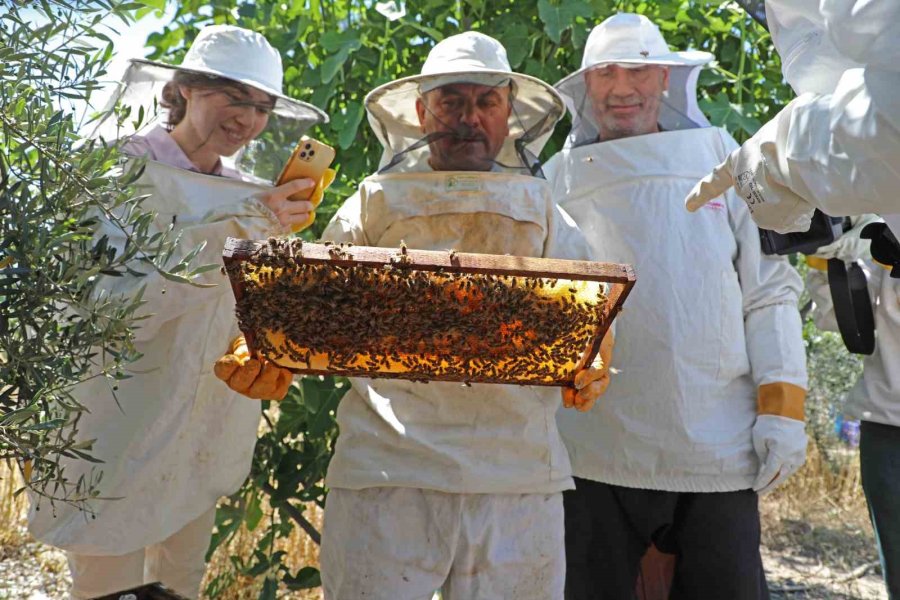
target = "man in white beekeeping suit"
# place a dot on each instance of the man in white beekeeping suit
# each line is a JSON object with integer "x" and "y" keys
{"x": 707, "y": 411}
{"x": 875, "y": 399}
{"x": 836, "y": 147}
{"x": 443, "y": 486}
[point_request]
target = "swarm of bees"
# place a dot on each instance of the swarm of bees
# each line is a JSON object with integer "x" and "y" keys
{"x": 395, "y": 320}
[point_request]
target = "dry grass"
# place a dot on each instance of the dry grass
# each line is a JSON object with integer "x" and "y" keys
{"x": 12, "y": 510}
{"x": 26, "y": 566}
{"x": 816, "y": 532}
{"x": 301, "y": 551}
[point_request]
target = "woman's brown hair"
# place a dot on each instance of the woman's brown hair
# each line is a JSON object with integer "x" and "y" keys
{"x": 175, "y": 102}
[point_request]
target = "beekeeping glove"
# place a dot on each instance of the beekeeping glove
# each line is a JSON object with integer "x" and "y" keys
{"x": 316, "y": 198}
{"x": 761, "y": 178}
{"x": 591, "y": 382}
{"x": 779, "y": 436}
{"x": 254, "y": 377}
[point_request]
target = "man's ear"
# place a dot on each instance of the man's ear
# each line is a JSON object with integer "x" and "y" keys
{"x": 185, "y": 92}
{"x": 665, "y": 79}
{"x": 420, "y": 111}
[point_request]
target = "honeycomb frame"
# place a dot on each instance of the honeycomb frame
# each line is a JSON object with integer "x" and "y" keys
{"x": 280, "y": 279}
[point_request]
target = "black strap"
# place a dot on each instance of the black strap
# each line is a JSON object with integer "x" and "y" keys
{"x": 852, "y": 305}
{"x": 885, "y": 248}
{"x": 424, "y": 141}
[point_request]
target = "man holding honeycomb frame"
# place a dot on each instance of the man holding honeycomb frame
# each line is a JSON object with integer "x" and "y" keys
{"x": 450, "y": 486}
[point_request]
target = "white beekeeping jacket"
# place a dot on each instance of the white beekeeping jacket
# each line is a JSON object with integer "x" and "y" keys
{"x": 179, "y": 438}
{"x": 487, "y": 438}
{"x": 709, "y": 320}
{"x": 876, "y": 396}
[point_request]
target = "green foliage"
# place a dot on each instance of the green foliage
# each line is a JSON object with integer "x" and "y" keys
{"x": 335, "y": 52}
{"x": 57, "y": 329}
{"x": 288, "y": 468}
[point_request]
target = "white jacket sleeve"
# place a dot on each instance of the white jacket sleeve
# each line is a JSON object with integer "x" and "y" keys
{"x": 865, "y": 30}
{"x": 840, "y": 152}
{"x": 837, "y": 152}
{"x": 771, "y": 289}
{"x": 166, "y": 300}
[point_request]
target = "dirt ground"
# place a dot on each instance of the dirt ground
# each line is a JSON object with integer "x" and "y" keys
{"x": 823, "y": 556}
{"x": 817, "y": 544}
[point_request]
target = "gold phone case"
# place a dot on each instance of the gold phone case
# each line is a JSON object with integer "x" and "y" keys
{"x": 309, "y": 159}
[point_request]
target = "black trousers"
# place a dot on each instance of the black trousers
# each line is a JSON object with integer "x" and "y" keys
{"x": 715, "y": 537}
{"x": 879, "y": 460}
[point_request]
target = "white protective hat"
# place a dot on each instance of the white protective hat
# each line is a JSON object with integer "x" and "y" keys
{"x": 810, "y": 61}
{"x": 231, "y": 53}
{"x": 469, "y": 57}
{"x": 629, "y": 39}
{"x": 237, "y": 54}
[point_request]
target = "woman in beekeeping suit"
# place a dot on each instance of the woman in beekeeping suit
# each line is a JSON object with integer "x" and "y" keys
{"x": 173, "y": 439}
{"x": 837, "y": 145}
{"x": 442, "y": 485}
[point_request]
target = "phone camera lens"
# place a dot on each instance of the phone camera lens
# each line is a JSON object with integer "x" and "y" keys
{"x": 303, "y": 155}
{"x": 307, "y": 146}
{"x": 311, "y": 152}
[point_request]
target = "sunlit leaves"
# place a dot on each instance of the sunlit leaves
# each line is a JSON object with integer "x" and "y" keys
{"x": 729, "y": 115}
{"x": 558, "y": 16}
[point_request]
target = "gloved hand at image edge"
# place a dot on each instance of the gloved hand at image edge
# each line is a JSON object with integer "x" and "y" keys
{"x": 591, "y": 382}
{"x": 756, "y": 173}
{"x": 779, "y": 435}
{"x": 254, "y": 377}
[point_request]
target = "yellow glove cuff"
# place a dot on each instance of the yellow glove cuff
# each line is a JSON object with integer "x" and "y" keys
{"x": 781, "y": 399}
{"x": 883, "y": 266}
{"x": 819, "y": 264}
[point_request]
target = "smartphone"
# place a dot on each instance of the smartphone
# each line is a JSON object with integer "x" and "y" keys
{"x": 309, "y": 159}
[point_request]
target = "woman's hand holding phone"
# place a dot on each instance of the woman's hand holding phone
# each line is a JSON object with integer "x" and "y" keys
{"x": 290, "y": 213}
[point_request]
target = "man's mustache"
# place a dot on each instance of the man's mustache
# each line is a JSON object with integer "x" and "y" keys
{"x": 461, "y": 133}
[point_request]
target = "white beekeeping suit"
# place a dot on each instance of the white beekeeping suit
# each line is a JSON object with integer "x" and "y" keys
{"x": 448, "y": 474}
{"x": 875, "y": 398}
{"x": 707, "y": 407}
{"x": 712, "y": 326}
{"x": 836, "y": 147}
